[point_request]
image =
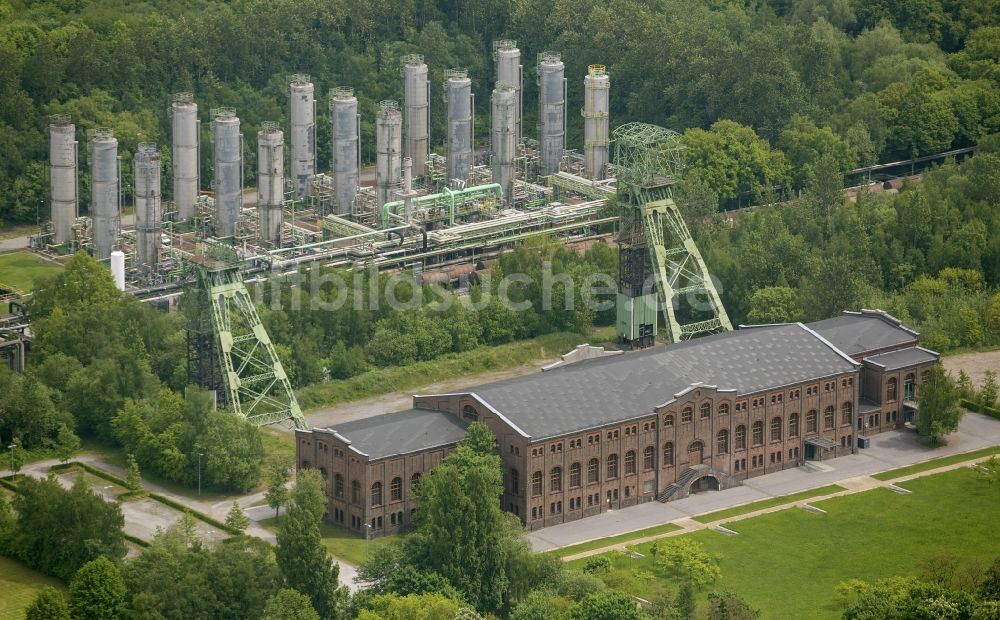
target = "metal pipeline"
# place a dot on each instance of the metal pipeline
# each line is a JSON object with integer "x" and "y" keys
{"x": 447, "y": 197}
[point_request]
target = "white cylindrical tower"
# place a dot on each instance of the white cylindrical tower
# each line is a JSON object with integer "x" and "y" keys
{"x": 509, "y": 71}
{"x": 118, "y": 269}
{"x": 270, "y": 181}
{"x": 551, "y": 110}
{"x": 184, "y": 123}
{"x": 596, "y": 102}
{"x": 504, "y": 138}
{"x": 147, "y": 206}
{"x": 416, "y": 112}
{"x": 228, "y": 183}
{"x": 104, "y": 190}
{"x": 388, "y": 146}
{"x": 458, "y": 94}
{"x": 303, "y": 123}
{"x": 344, "y": 132}
{"x": 63, "y": 176}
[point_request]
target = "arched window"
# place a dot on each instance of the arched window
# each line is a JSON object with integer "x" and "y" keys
{"x": 811, "y": 421}
{"x": 377, "y": 494}
{"x": 828, "y": 417}
{"x": 687, "y": 414}
{"x": 338, "y": 486}
{"x": 925, "y": 376}
{"x": 469, "y": 413}
{"x": 668, "y": 454}
{"x": 515, "y": 481}
{"x": 909, "y": 389}
{"x": 593, "y": 471}
{"x": 775, "y": 429}
{"x": 758, "y": 433}
{"x": 414, "y": 479}
{"x": 668, "y": 421}
{"x": 648, "y": 457}
{"x": 396, "y": 490}
{"x": 706, "y": 411}
{"x": 630, "y": 462}
{"x": 536, "y": 483}
{"x": 793, "y": 425}
{"x": 724, "y": 409}
{"x": 891, "y": 389}
{"x": 555, "y": 479}
{"x": 722, "y": 441}
{"x": 355, "y": 492}
{"x": 574, "y": 475}
{"x": 612, "y": 466}
{"x": 741, "y": 437}
{"x": 846, "y": 412}
{"x": 696, "y": 447}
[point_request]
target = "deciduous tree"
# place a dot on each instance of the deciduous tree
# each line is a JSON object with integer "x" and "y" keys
{"x": 97, "y": 591}
{"x": 939, "y": 412}
{"x": 50, "y": 604}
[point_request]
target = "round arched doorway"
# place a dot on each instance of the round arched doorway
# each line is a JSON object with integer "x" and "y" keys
{"x": 705, "y": 483}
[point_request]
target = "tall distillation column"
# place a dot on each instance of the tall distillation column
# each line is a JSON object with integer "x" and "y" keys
{"x": 104, "y": 194}
{"x": 270, "y": 182}
{"x": 303, "y": 124}
{"x": 228, "y": 156}
{"x": 458, "y": 95}
{"x": 147, "y": 206}
{"x": 388, "y": 143}
{"x": 185, "y": 154}
{"x": 63, "y": 158}
{"x": 416, "y": 112}
{"x": 596, "y": 90}
{"x": 504, "y": 138}
{"x": 344, "y": 122}
{"x": 509, "y": 71}
{"x": 551, "y": 110}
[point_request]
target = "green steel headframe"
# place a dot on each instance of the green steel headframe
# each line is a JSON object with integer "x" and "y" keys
{"x": 647, "y": 155}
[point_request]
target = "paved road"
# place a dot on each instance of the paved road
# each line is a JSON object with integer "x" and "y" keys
{"x": 888, "y": 451}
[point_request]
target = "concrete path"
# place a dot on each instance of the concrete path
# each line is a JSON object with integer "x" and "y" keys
{"x": 889, "y": 451}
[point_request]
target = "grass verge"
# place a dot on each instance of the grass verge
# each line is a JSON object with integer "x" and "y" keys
{"x": 944, "y": 461}
{"x": 341, "y": 543}
{"x": 563, "y": 552}
{"x": 23, "y": 269}
{"x": 19, "y": 585}
{"x": 770, "y": 502}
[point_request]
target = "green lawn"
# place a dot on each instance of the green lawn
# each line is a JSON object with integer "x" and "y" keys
{"x": 18, "y": 587}
{"x": 23, "y": 269}
{"x": 935, "y": 463}
{"x": 341, "y": 543}
{"x": 614, "y": 540}
{"x": 788, "y": 563}
{"x": 736, "y": 511}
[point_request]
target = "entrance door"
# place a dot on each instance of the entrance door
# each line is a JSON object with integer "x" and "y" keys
{"x": 694, "y": 453}
{"x": 810, "y": 452}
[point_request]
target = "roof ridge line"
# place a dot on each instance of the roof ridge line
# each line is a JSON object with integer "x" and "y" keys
{"x": 829, "y": 344}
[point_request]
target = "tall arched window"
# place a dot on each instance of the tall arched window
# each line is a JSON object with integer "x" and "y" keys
{"x": 469, "y": 413}
{"x": 555, "y": 479}
{"x": 793, "y": 425}
{"x": 668, "y": 421}
{"x": 722, "y": 441}
{"x": 593, "y": 471}
{"x": 811, "y": 421}
{"x": 515, "y": 481}
{"x": 338, "y": 486}
{"x": 724, "y": 409}
{"x": 846, "y": 412}
{"x": 696, "y": 447}
{"x": 536, "y": 483}
{"x": 612, "y": 466}
{"x": 741, "y": 437}
{"x": 396, "y": 490}
{"x": 355, "y": 492}
{"x": 775, "y": 429}
{"x": 377, "y": 494}
{"x": 574, "y": 475}
{"x": 630, "y": 462}
{"x": 706, "y": 411}
{"x": 828, "y": 417}
{"x": 414, "y": 479}
{"x": 648, "y": 457}
{"x": 687, "y": 414}
{"x": 758, "y": 433}
{"x": 909, "y": 387}
{"x": 891, "y": 389}
{"x": 668, "y": 454}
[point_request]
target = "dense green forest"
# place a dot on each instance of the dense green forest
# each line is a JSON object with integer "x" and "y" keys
{"x": 789, "y": 80}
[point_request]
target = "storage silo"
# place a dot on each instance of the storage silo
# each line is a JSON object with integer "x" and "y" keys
{"x": 185, "y": 154}
{"x": 416, "y": 112}
{"x": 228, "y": 158}
{"x": 458, "y": 94}
{"x": 344, "y": 122}
{"x": 104, "y": 190}
{"x": 388, "y": 146}
{"x": 302, "y": 117}
{"x": 63, "y": 158}
{"x": 509, "y": 71}
{"x": 147, "y": 206}
{"x": 551, "y": 110}
{"x": 270, "y": 182}
{"x": 504, "y": 138}
{"x": 596, "y": 102}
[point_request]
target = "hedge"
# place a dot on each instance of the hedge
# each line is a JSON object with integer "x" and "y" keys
{"x": 7, "y": 484}
{"x": 135, "y": 540}
{"x": 993, "y": 412}
{"x": 194, "y": 513}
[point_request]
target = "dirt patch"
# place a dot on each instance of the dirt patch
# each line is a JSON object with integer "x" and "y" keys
{"x": 974, "y": 364}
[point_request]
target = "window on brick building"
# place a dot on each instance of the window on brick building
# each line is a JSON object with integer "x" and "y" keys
{"x": 724, "y": 409}
{"x": 630, "y": 462}
{"x": 668, "y": 421}
{"x": 891, "y": 389}
{"x": 414, "y": 479}
{"x": 846, "y": 412}
{"x": 612, "y": 466}
{"x": 758, "y": 433}
{"x": 811, "y": 421}
{"x": 469, "y": 413}
{"x": 515, "y": 481}
{"x": 775, "y": 429}
{"x": 741, "y": 437}
{"x": 722, "y": 441}
{"x": 687, "y": 414}
{"x": 377, "y": 494}
{"x": 338, "y": 486}
{"x": 706, "y": 411}
{"x": 668, "y": 454}
{"x": 574, "y": 475}
{"x": 396, "y": 490}
{"x": 828, "y": 417}
{"x": 793, "y": 425}
{"x": 649, "y": 457}
{"x": 536, "y": 483}
{"x": 593, "y": 471}
{"x": 355, "y": 492}
{"x": 555, "y": 479}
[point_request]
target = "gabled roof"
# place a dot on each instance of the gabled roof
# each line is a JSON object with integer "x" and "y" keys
{"x": 910, "y": 356}
{"x": 856, "y": 333}
{"x": 402, "y": 432}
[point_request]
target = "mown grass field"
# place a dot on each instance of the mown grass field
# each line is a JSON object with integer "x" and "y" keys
{"x": 18, "y": 587}
{"x": 23, "y": 269}
{"x": 788, "y": 563}
{"x": 563, "y": 552}
{"x": 944, "y": 461}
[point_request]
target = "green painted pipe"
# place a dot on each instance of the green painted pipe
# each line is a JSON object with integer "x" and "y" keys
{"x": 448, "y": 197}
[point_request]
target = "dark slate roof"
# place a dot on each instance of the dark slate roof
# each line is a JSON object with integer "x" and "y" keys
{"x": 603, "y": 391}
{"x": 402, "y": 432}
{"x": 894, "y": 360}
{"x": 868, "y": 406}
{"x": 855, "y": 333}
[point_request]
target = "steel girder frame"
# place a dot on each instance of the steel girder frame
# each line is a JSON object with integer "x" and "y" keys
{"x": 257, "y": 385}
